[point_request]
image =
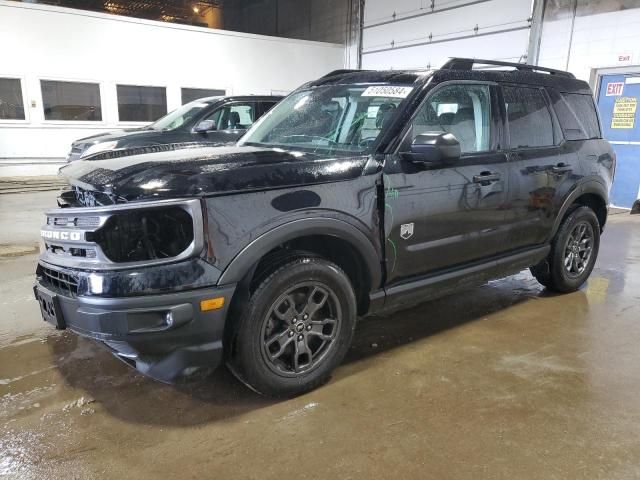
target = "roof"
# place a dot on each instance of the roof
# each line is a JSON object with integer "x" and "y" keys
{"x": 244, "y": 98}
{"x": 462, "y": 69}
{"x": 404, "y": 77}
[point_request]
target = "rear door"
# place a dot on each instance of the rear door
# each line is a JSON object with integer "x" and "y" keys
{"x": 541, "y": 164}
{"x": 442, "y": 217}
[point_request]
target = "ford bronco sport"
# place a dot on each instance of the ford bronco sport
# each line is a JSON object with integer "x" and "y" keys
{"x": 360, "y": 191}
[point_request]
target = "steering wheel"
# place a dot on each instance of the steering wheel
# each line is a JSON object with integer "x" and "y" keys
{"x": 366, "y": 142}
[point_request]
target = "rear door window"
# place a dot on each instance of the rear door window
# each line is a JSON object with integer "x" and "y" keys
{"x": 530, "y": 123}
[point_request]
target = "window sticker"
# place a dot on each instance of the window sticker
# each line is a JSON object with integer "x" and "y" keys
{"x": 624, "y": 112}
{"x": 387, "y": 91}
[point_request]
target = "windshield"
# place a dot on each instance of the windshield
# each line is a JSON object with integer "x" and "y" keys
{"x": 180, "y": 116}
{"x": 329, "y": 119}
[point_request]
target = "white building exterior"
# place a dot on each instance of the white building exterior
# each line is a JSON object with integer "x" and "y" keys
{"x": 40, "y": 42}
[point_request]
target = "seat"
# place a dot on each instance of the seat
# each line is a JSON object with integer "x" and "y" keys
{"x": 384, "y": 115}
{"x": 234, "y": 120}
{"x": 464, "y": 129}
{"x": 446, "y": 118}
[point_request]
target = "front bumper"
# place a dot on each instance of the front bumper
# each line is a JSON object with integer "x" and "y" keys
{"x": 163, "y": 336}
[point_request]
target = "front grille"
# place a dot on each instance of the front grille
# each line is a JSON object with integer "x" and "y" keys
{"x": 61, "y": 282}
{"x": 74, "y": 221}
{"x": 87, "y": 221}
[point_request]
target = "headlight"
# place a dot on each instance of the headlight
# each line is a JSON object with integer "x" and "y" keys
{"x": 99, "y": 147}
{"x": 154, "y": 234}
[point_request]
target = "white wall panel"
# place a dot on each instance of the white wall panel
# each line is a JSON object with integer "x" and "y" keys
{"x": 44, "y": 42}
{"x": 508, "y": 44}
{"x": 382, "y": 10}
{"x": 598, "y": 40}
{"x": 502, "y": 31}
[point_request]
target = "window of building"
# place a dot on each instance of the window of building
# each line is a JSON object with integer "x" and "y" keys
{"x": 578, "y": 117}
{"x": 530, "y": 123}
{"x": 11, "y": 102}
{"x": 141, "y": 104}
{"x": 462, "y": 110}
{"x": 71, "y": 101}
{"x": 191, "y": 94}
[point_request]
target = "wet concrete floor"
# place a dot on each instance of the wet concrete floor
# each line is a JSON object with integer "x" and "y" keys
{"x": 502, "y": 381}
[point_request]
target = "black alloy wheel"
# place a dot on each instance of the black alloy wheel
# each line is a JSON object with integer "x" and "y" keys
{"x": 300, "y": 328}
{"x": 295, "y": 328}
{"x": 574, "y": 251}
{"x": 578, "y": 249}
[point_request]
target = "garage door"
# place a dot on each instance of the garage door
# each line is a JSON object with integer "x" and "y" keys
{"x": 424, "y": 33}
{"x": 618, "y": 98}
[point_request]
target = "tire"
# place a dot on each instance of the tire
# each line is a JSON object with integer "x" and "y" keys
{"x": 573, "y": 254}
{"x": 295, "y": 328}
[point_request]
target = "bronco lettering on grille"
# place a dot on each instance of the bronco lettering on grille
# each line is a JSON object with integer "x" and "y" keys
{"x": 58, "y": 235}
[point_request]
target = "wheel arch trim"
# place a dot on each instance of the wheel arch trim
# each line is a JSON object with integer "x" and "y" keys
{"x": 254, "y": 251}
{"x": 589, "y": 187}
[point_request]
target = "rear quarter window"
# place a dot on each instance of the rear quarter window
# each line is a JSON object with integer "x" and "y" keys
{"x": 577, "y": 115}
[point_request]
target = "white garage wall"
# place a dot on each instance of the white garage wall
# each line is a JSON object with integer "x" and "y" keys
{"x": 410, "y": 34}
{"x": 43, "y": 42}
{"x": 598, "y": 40}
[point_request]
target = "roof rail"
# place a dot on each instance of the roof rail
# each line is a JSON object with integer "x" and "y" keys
{"x": 468, "y": 63}
{"x": 341, "y": 71}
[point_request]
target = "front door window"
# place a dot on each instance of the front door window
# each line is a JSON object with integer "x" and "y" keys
{"x": 238, "y": 116}
{"x": 462, "y": 110}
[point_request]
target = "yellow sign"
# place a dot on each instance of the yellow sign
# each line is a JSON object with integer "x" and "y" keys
{"x": 624, "y": 112}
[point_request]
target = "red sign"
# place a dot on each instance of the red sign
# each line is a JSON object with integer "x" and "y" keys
{"x": 614, "y": 88}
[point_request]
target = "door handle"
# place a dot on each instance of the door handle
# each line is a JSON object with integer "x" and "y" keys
{"x": 486, "y": 177}
{"x": 561, "y": 168}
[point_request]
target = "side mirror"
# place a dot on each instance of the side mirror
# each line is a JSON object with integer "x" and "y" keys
{"x": 435, "y": 148}
{"x": 205, "y": 126}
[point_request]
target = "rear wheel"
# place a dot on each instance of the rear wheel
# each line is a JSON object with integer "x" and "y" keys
{"x": 295, "y": 329}
{"x": 573, "y": 252}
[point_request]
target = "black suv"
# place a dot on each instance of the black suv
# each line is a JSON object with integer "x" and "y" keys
{"x": 360, "y": 191}
{"x": 211, "y": 120}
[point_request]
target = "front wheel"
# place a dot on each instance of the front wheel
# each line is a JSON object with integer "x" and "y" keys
{"x": 295, "y": 329}
{"x": 573, "y": 252}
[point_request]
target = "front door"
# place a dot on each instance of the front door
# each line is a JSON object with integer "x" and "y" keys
{"x": 441, "y": 217}
{"x": 618, "y": 97}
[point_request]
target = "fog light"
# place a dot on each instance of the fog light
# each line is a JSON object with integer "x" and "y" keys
{"x": 212, "y": 304}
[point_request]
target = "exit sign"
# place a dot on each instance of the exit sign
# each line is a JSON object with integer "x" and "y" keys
{"x": 624, "y": 58}
{"x": 614, "y": 88}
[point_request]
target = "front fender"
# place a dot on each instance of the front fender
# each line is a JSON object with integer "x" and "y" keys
{"x": 255, "y": 250}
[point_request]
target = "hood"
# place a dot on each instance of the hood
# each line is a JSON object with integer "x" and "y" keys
{"x": 116, "y": 135}
{"x": 207, "y": 171}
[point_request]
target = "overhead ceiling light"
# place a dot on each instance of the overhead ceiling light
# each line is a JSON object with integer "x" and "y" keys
{"x": 196, "y": 9}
